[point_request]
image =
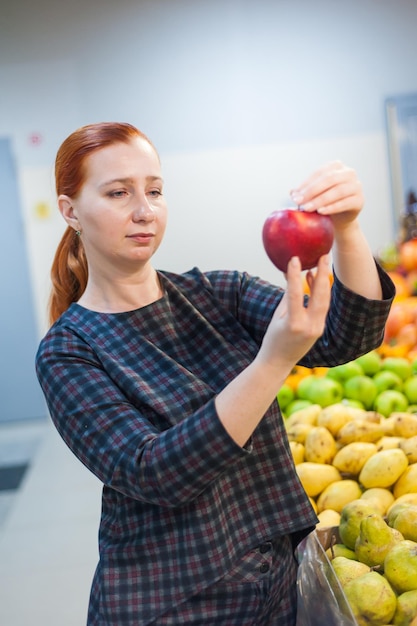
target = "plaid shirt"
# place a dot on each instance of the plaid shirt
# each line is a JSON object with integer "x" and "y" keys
{"x": 132, "y": 395}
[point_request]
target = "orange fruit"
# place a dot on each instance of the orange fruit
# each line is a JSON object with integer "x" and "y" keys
{"x": 320, "y": 371}
{"x": 305, "y": 283}
{"x": 402, "y": 286}
{"x": 408, "y": 255}
{"x": 407, "y": 335}
{"x": 398, "y": 317}
{"x": 298, "y": 373}
{"x": 395, "y": 349}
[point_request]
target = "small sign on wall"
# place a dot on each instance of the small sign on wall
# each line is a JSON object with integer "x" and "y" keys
{"x": 42, "y": 210}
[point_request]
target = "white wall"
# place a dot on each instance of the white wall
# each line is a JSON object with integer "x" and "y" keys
{"x": 243, "y": 99}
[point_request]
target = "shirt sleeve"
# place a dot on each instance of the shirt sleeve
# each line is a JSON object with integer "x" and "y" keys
{"x": 355, "y": 324}
{"x": 115, "y": 440}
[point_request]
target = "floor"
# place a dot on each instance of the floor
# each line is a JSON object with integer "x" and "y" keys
{"x": 49, "y": 514}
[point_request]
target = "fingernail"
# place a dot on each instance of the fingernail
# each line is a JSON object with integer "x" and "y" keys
{"x": 296, "y": 197}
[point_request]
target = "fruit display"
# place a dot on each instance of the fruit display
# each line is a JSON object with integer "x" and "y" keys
{"x": 375, "y": 382}
{"x": 374, "y": 557}
{"x": 353, "y": 437}
{"x": 355, "y": 452}
{"x": 344, "y": 453}
{"x": 400, "y": 261}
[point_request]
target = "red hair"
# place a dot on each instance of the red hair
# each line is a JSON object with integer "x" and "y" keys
{"x": 69, "y": 271}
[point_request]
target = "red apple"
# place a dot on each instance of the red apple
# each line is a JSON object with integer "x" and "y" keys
{"x": 293, "y": 232}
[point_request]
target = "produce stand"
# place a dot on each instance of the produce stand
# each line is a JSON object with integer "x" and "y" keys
{"x": 350, "y": 440}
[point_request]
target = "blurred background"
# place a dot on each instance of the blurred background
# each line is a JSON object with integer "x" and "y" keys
{"x": 242, "y": 99}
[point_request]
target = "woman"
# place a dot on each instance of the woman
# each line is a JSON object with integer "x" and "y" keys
{"x": 165, "y": 385}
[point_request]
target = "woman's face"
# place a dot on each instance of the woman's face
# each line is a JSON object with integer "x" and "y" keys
{"x": 120, "y": 210}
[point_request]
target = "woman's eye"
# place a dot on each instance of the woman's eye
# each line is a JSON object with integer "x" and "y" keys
{"x": 155, "y": 193}
{"x": 117, "y": 194}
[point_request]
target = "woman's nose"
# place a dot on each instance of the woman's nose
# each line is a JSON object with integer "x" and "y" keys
{"x": 143, "y": 212}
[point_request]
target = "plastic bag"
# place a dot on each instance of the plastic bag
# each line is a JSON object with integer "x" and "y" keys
{"x": 321, "y": 601}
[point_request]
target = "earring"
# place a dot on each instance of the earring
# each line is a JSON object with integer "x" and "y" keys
{"x": 78, "y": 233}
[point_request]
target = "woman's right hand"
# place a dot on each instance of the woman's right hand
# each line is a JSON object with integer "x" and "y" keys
{"x": 294, "y": 328}
{"x": 292, "y": 331}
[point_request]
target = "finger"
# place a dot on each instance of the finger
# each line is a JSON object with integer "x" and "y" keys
{"x": 320, "y": 287}
{"x": 326, "y": 186}
{"x": 295, "y": 288}
{"x": 338, "y": 199}
{"x": 294, "y": 276}
{"x": 341, "y": 197}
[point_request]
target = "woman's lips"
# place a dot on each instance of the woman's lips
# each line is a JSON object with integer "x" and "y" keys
{"x": 141, "y": 237}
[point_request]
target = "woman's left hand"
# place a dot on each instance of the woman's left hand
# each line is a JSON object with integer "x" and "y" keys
{"x": 333, "y": 190}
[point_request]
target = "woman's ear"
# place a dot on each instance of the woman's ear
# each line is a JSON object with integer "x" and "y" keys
{"x": 68, "y": 212}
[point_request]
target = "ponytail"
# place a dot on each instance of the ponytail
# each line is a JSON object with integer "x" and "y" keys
{"x": 69, "y": 274}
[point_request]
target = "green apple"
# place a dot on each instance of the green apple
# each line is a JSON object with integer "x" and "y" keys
{"x": 361, "y": 388}
{"x": 344, "y": 371}
{"x": 386, "y": 379}
{"x": 304, "y": 385}
{"x": 389, "y": 401}
{"x": 410, "y": 389}
{"x": 320, "y": 390}
{"x": 414, "y": 366}
{"x": 370, "y": 362}
{"x": 285, "y": 395}
{"x": 296, "y": 405}
{"x": 398, "y": 364}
